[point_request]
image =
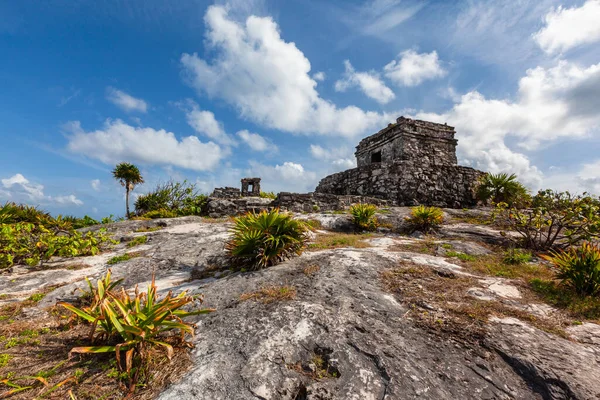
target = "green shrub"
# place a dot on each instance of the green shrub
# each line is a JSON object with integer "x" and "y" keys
{"x": 268, "y": 195}
{"x": 554, "y": 220}
{"x": 515, "y": 256}
{"x": 502, "y": 188}
{"x": 136, "y": 323}
{"x": 461, "y": 256}
{"x": 78, "y": 223}
{"x": 137, "y": 241}
{"x": 160, "y": 213}
{"x": 425, "y": 219}
{"x": 180, "y": 198}
{"x": 266, "y": 238}
{"x": 578, "y": 268}
{"x": 363, "y": 216}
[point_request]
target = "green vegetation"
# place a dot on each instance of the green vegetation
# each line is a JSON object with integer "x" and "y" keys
{"x": 36, "y": 297}
{"x": 149, "y": 229}
{"x": 136, "y": 323}
{"x": 461, "y": 256}
{"x": 578, "y": 268}
{"x": 31, "y": 236}
{"x": 122, "y": 258}
{"x": 129, "y": 177}
{"x": 580, "y": 307}
{"x": 363, "y": 216}
{"x": 515, "y": 256}
{"x": 554, "y": 220}
{"x": 137, "y": 241}
{"x": 171, "y": 199}
{"x": 266, "y": 238}
{"x": 502, "y": 188}
{"x": 425, "y": 219}
{"x": 268, "y": 195}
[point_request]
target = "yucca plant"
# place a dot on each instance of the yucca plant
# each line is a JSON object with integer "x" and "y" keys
{"x": 425, "y": 219}
{"x": 578, "y": 268}
{"x": 266, "y": 238}
{"x": 136, "y": 323}
{"x": 363, "y": 216}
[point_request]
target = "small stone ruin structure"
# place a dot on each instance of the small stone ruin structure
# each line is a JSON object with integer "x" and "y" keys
{"x": 251, "y": 187}
{"x": 410, "y": 162}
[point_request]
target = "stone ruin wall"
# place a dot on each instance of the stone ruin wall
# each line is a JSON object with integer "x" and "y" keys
{"x": 407, "y": 183}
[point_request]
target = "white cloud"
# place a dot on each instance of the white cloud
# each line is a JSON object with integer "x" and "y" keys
{"x": 319, "y": 76}
{"x": 414, "y": 68}
{"x": 340, "y": 158}
{"x": 268, "y": 79}
{"x": 553, "y": 103}
{"x": 125, "y": 101}
{"x": 567, "y": 28}
{"x": 118, "y": 141}
{"x": 22, "y": 189}
{"x": 204, "y": 122}
{"x": 379, "y": 17}
{"x": 256, "y": 142}
{"x": 95, "y": 184}
{"x": 289, "y": 176}
{"x": 368, "y": 82}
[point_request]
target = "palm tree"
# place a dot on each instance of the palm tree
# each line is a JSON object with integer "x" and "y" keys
{"x": 501, "y": 188}
{"x": 128, "y": 176}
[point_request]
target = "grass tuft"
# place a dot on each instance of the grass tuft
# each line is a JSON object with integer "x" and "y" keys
{"x": 270, "y": 294}
{"x": 337, "y": 240}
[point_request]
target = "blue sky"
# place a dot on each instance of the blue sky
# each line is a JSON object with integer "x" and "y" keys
{"x": 284, "y": 90}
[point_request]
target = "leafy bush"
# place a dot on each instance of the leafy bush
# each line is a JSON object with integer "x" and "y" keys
{"x": 266, "y": 238}
{"x": 579, "y": 268}
{"x": 555, "y": 219}
{"x": 31, "y": 236}
{"x": 514, "y": 256}
{"x": 180, "y": 198}
{"x": 78, "y": 223}
{"x": 461, "y": 256}
{"x": 363, "y": 216}
{"x": 160, "y": 213}
{"x": 268, "y": 195}
{"x": 425, "y": 219}
{"x": 137, "y": 323}
{"x": 502, "y": 188}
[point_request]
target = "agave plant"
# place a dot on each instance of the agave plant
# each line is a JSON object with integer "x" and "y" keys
{"x": 137, "y": 322}
{"x": 266, "y": 238}
{"x": 425, "y": 219}
{"x": 502, "y": 188}
{"x": 578, "y": 268}
{"x": 363, "y": 215}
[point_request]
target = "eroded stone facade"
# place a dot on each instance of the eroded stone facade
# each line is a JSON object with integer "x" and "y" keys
{"x": 410, "y": 162}
{"x": 250, "y": 187}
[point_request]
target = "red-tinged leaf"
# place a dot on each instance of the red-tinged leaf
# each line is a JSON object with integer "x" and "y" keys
{"x": 93, "y": 349}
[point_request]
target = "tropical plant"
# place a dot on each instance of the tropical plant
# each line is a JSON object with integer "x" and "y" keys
{"x": 578, "y": 268}
{"x": 160, "y": 213}
{"x": 514, "y": 256}
{"x": 502, "y": 188}
{"x": 363, "y": 216}
{"x": 266, "y": 238}
{"x": 555, "y": 219}
{"x": 78, "y": 223}
{"x": 180, "y": 198}
{"x": 129, "y": 177}
{"x": 138, "y": 323}
{"x": 268, "y": 195}
{"x": 425, "y": 219}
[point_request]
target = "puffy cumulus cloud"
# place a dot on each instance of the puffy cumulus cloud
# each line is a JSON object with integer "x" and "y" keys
{"x": 288, "y": 177}
{"x": 256, "y": 142}
{"x": 570, "y": 27}
{"x": 21, "y": 189}
{"x": 368, "y": 82}
{"x": 319, "y": 76}
{"x": 125, "y": 101}
{"x": 268, "y": 79}
{"x": 576, "y": 179}
{"x": 118, "y": 141}
{"x": 339, "y": 158}
{"x": 547, "y": 108}
{"x": 413, "y": 68}
{"x": 95, "y": 183}
{"x": 204, "y": 122}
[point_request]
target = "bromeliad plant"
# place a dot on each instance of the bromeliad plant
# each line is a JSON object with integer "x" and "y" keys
{"x": 578, "y": 268}
{"x": 363, "y": 216}
{"x": 133, "y": 324}
{"x": 263, "y": 239}
{"x": 425, "y": 219}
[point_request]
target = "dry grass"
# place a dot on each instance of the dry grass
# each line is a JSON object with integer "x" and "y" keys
{"x": 318, "y": 369}
{"x": 338, "y": 240}
{"x": 424, "y": 246}
{"x": 440, "y": 303}
{"x": 311, "y": 270}
{"x": 35, "y": 358}
{"x": 149, "y": 229}
{"x": 210, "y": 220}
{"x": 270, "y": 294}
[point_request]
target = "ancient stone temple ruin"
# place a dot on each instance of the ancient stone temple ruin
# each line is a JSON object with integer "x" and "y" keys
{"x": 410, "y": 162}
{"x": 251, "y": 187}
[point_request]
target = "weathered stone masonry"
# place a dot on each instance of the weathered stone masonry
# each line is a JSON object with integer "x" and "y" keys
{"x": 410, "y": 162}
